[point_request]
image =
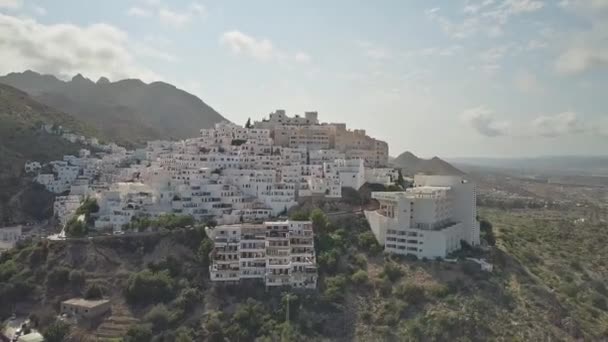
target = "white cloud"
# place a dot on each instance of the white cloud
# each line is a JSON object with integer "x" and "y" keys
{"x": 487, "y": 16}
{"x": 240, "y": 43}
{"x": 584, "y": 49}
{"x": 65, "y": 49}
{"x": 483, "y": 121}
{"x": 576, "y": 60}
{"x": 566, "y": 123}
{"x": 39, "y": 10}
{"x": 139, "y": 12}
{"x": 261, "y": 49}
{"x": 176, "y": 18}
{"x": 302, "y": 57}
{"x": 11, "y": 4}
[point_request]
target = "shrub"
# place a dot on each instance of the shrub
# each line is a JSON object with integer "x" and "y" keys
{"x": 360, "y": 277}
{"x": 335, "y": 288}
{"x": 148, "y": 287}
{"x": 94, "y": 291}
{"x": 392, "y": 271}
{"x": 59, "y": 276}
{"x": 410, "y": 292}
{"x": 7, "y": 270}
{"x": 383, "y": 285}
{"x": 367, "y": 242}
{"x": 360, "y": 260}
{"x": 138, "y": 333}
{"x": 159, "y": 317}
{"x": 599, "y": 301}
{"x": 76, "y": 228}
{"x": 189, "y": 298}
{"x": 56, "y": 332}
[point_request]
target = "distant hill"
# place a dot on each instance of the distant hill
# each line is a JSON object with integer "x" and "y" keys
{"x": 410, "y": 165}
{"x": 550, "y": 165}
{"x": 20, "y": 140}
{"x": 127, "y": 111}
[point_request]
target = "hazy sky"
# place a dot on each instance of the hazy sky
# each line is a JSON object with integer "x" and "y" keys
{"x": 449, "y": 78}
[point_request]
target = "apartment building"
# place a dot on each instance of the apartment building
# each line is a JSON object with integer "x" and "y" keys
{"x": 307, "y": 132}
{"x": 278, "y": 253}
{"x": 428, "y": 220}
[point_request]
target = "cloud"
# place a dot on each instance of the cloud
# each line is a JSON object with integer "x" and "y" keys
{"x": 483, "y": 121}
{"x": 527, "y": 83}
{"x": 585, "y": 49}
{"x": 65, "y": 49}
{"x": 566, "y": 123}
{"x": 576, "y": 60}
{"x": 167, "y": 16}
{"x": 302, "y": 57}
{"x": 174, "y": 18}
{"x": 260, "y": 49}
{"x": 139, "y": 12}
{"x": 374, "y": 51}
{"x": 39, "y": 10}
{"x": 11, "y": 4}
{"x": 483, "y": 16}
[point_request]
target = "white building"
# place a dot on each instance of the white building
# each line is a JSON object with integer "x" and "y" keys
{"x": 278, "y": 253}
{"x": 32, "y": 166}
{"x": 429, "y": 220}
{"x": 9, "y": 237}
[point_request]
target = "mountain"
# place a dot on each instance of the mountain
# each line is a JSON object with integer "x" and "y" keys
{"x": 21, "y": 139}
{"x": 551, "y": 165}
{"x": 410, "y": 164}
{"x": 127, "y": 111}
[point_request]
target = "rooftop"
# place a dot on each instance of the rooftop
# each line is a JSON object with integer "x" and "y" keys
{"x": 87, "y": 303}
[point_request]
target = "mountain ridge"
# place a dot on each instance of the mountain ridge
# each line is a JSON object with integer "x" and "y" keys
{"x": 22, "y": 139}
{"x": 410, "y": 164}
{"x": 128, "y": 111}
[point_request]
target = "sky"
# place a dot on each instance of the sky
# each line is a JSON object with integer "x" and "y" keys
{"x": 453, "y": 78}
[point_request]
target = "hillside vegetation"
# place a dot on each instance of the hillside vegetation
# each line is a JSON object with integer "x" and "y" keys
{"x": 544, "y": 287}
{"x": 128, "y": 111}
{"x": 20, "y": 140}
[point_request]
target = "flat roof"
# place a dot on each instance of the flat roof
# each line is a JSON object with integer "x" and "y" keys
{"x": 85, "y": 302}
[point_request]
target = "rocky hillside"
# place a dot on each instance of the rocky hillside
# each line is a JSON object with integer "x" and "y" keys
{"x": 411, "y": 165}
{"x": 126, "y": 111}
{"x": 159, "y": 288}
{"x": 21, "y": 139}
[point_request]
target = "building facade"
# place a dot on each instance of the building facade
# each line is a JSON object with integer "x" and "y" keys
{"x": 278, "y": 253}
{"x": 429, "y": 220}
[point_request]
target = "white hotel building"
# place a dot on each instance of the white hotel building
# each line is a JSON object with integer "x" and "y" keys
{"x": 278, "y": 253}
{"x": 428, "y": 220}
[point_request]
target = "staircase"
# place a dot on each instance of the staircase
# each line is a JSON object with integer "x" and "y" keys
{"x": 116, "y": 325}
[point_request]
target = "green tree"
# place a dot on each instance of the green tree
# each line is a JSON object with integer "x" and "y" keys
{"x": 56, "y": 332}
{"x": 149, "y": 287}
{"x": 158, "y": 316}
{"x": 248, "y": 123}
{"x": 203, "y": 251}
{"x": 94, "y": 291}
{"x": 319, "y": 221}
{"x": 76, "y": 228}
{"x": 360, "y": 277}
